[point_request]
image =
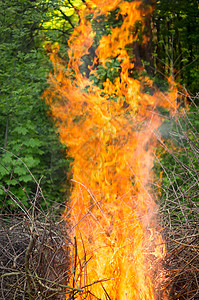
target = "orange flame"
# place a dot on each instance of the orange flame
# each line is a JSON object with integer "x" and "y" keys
{"x": 110, "y": 133}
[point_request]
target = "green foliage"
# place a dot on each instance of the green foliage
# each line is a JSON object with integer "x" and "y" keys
{"x": 60, "y": 19}
{"x": 176, "y": 41}
{"x": 110, "y": 71}
{"x": 27, "y": 133}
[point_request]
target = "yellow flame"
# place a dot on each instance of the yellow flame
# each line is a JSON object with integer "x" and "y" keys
{"x": 113, "y": 144}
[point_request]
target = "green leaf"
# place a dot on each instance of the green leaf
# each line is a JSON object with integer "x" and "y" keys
{"x": 25, "y": 178}
{"x": 21, "y": 130}
{"x": 3, "y": 171}
{"x": 33, "y": 142}
{"x": 19, "y": 170}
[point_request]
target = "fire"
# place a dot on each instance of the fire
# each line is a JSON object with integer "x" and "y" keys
{"x": 110, "y": 133}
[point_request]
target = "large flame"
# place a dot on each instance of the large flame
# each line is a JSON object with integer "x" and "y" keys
{"x": 110, "y": 133}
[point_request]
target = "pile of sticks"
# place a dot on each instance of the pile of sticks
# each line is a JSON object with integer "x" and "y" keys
{"x": 34, "y": 257}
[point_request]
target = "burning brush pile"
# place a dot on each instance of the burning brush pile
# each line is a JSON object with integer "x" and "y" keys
{"x": 39, "y": 259}
{"x": 118, "y": 247}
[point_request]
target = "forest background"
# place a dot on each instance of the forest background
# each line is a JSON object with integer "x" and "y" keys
{"x": 29, "y": 140}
